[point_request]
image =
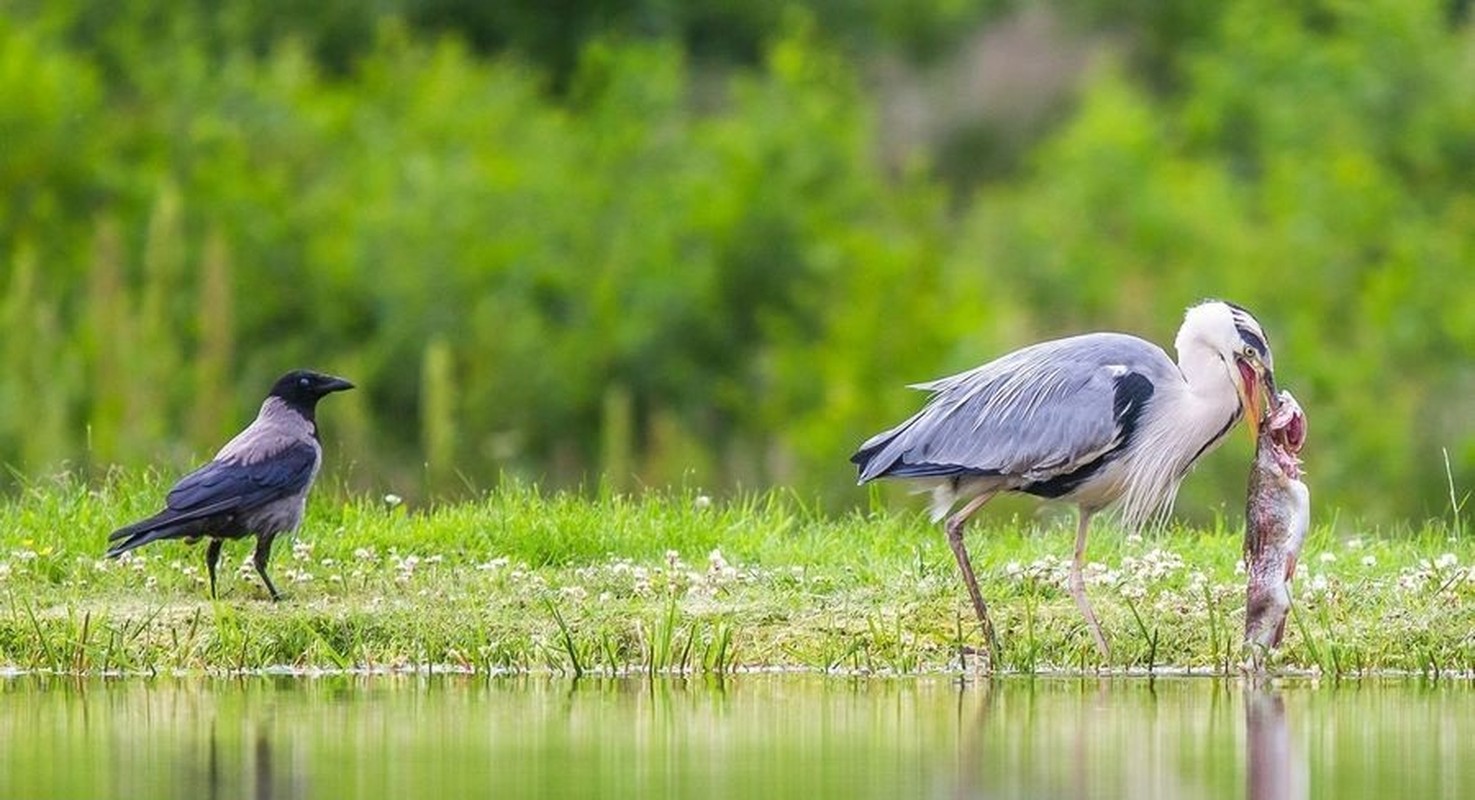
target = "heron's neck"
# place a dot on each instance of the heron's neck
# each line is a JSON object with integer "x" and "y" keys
{"x": 1213, "y": 398}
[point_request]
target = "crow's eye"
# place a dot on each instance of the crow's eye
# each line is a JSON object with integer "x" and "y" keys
{"x": 303, "y": 382}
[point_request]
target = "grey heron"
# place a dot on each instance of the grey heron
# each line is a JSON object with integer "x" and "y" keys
{"x": 1090, "y": 419}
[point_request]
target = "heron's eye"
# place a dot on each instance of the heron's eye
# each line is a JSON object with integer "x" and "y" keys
{"x": 1249, "y": 352}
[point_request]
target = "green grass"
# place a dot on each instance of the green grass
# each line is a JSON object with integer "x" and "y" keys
{"x": 673, "y": 582}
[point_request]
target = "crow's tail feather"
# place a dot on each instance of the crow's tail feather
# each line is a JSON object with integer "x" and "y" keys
{"x": 166, "y": 524}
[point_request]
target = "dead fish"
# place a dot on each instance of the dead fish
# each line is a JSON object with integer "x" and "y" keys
{"x": 1277, "y": 514}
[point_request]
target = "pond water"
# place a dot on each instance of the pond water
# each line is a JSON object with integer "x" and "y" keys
{"x": 748, "y": 736}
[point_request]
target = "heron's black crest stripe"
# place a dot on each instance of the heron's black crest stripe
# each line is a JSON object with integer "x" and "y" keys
{"x": 1253, "y": 339}
{"x": 1133, "y": 393}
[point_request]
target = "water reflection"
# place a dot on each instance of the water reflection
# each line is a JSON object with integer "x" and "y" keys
{"x": 753, "y": 736}
{"x": 1275, "y": 767}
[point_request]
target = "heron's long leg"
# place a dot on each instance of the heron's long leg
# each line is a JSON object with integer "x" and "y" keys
{"x": 1077, "y": 585}
{"x": 263, "y": 552}
{"x": 954, "y": 528}
{"x": 212, "y": 557}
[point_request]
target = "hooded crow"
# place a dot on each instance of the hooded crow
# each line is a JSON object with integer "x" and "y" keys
{"x": 257, "y": 484}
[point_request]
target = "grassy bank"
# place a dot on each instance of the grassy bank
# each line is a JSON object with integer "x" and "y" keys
{"x": 524, "y": 581}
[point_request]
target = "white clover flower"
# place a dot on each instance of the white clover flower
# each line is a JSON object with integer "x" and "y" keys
{"x": 718, "y": 569}
{"x": 393, "y": 500}
{"x": 1369, "y": 561}
{"x": 575, "y": 593}
{"x": 1103, "y": 577}
{"x": 1327, "y": 557}
{"x": 299, "y": 576}
{"x": 4, "y": 570}
{"x": 493, "y": 564}
{"x": 301, "y": 551}
{"x": 1412, "y": 580}
{"x": 702, "y": 501}
{"x": 1092, "y": 571}
{"x": 1355, "y": 543}
{"x": 1446, "y": 561}
{"x": 365, "y": 554}
{"x": 1014, "y": 569}
{"x": 1134, "y": 538}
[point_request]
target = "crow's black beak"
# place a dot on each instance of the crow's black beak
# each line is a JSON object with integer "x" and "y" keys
{"x": 334, "y": 384}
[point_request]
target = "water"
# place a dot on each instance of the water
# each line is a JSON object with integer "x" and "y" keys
{"x": 751, "y": 737}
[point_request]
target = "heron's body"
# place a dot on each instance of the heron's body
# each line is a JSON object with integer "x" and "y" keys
{"x": 1060, "y": 420}
{"x": 1091, "y": 419}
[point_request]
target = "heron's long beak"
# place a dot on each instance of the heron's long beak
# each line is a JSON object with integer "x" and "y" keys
{"x": 1272, "y": 395}
{"x": 1257, "y": 381}
{"x": 1252, "y": 411}
{"x": 1250, "y": 389}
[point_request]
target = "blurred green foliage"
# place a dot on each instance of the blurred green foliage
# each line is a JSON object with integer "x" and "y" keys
{"x": 620, "y": 259}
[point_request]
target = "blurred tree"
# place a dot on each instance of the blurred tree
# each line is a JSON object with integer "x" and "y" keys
{"x": 196, "y": 185}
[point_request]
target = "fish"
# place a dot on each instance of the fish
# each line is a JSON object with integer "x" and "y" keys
{"x": 1277, "y": 515}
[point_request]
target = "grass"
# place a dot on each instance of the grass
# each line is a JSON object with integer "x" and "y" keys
{"x": 661, "y": 583}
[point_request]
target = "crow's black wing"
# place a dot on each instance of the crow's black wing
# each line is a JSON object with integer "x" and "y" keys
{"x": 231, "y": 485}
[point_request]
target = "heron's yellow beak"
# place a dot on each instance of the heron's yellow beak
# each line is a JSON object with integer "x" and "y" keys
{"x": 1252, "y": 409}
{"x": 1250, "y": 392}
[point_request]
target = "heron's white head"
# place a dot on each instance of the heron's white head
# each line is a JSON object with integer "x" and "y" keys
{"x": 1228, "y": 333}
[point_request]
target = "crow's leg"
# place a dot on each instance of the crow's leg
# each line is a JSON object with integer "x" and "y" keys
{"x": 262, "y": 555}
{"x": 212, "y": 557}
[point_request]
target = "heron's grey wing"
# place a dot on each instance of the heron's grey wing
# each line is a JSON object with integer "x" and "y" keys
{"x": 1034, "y": 415}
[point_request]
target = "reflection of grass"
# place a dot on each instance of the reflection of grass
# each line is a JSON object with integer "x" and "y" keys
{"x": 672, "y": 583}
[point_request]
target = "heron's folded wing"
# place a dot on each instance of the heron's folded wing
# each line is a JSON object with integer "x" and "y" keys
{"x": 1032, "y": 416}
{"x": 224, "y": 485}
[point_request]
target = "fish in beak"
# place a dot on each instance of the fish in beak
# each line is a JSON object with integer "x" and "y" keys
{"x": 1277, "y": 516}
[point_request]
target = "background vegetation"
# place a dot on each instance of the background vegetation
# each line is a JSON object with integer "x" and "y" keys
{"x": 650, "y": 244}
